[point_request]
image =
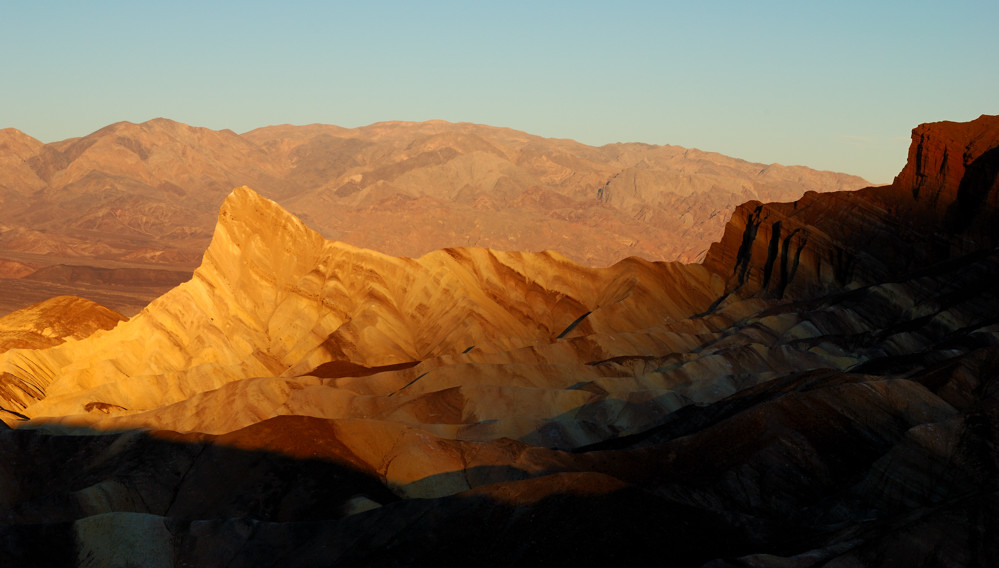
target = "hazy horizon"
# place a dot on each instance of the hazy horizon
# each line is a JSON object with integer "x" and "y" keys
{"x": 834, "y": 87}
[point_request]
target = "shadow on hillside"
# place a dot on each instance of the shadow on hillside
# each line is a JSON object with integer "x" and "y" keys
{"x": 52, "y": 478}
{"x": 815, "y": 464}
{"x": 282, "y": 493}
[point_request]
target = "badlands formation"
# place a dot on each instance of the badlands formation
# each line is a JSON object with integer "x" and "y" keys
{"x": 820, "y": 390}
{"x": 143, "y": 198}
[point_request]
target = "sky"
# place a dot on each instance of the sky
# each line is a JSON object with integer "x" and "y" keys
{"x": 830, "y": 85}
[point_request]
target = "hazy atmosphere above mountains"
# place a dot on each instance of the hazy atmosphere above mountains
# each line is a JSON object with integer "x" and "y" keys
{"x": 831, "y": 86}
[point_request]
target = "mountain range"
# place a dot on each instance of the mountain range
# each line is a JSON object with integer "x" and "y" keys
{"x": 820, "y": 390}
{"x": 140, "y": 199}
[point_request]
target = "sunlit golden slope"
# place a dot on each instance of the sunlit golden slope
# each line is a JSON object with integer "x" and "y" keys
{"x": 273, "y": 298}
{"x": 54, "y": 321}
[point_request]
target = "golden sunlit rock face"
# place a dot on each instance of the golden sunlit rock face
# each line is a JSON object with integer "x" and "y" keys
{"x": 273, "y": 298}
{"x": 821, "y": 389}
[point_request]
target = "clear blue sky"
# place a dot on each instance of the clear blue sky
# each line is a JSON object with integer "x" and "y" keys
{"x": 831, "y": 85}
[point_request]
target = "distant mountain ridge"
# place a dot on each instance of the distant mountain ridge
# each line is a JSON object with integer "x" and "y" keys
{"x": 147, "y": 193}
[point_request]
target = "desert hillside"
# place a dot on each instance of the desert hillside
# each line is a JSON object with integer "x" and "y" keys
{"x": 820, "y": 390}
{"x": 139, "y": 197}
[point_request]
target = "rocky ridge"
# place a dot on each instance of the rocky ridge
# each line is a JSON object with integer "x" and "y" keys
{"x": 146, "y": 195}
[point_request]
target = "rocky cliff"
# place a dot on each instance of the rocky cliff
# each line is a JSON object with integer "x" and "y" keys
{"x": 941, "y": 206}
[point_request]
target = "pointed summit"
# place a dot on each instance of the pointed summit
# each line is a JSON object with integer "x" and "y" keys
{"x": 13, "y": 141}
{"x": 246, "y": 208}
{"x": 256, "y": 234}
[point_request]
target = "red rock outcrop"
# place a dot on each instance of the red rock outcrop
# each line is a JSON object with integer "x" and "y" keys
{"x": 941, "y": 206}
{"x": 940, "y": 155}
